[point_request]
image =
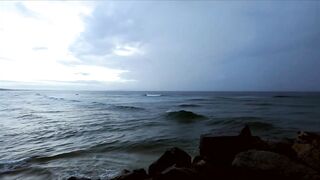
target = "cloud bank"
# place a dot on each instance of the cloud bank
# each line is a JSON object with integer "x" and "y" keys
{"x": 208, "y": 45}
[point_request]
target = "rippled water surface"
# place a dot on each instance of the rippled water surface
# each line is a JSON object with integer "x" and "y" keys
{"x": 57, "y": 134}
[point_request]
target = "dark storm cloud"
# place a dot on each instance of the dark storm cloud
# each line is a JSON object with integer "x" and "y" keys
{"x": 208, "y": 45}
{"x": 104, "y": 28}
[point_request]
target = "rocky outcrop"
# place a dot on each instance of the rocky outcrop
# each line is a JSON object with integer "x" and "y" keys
{"x": 239, "y": 157}
{"x": 174, "y": 156}
{"x": 283, "y": 146}
{"x": 222, "y": 149}
{"x": 271, "y": 163}
{"x": 137, "y": 174}
{"x": 307, "y": 148}
{"x": 245, "y": 132}
{"x": 174, "y": 173}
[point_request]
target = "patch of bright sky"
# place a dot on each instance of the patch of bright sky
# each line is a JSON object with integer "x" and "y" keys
{"x": 127, "y": 49}
{"x": 35, "y": 40}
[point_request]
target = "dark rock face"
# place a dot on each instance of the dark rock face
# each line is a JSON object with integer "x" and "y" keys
{"x": 138, "y": 174}
{"x": 174, "y": 173}
{"x": 209, "y": 171}
{"x": 273, "y": 164}
{"x": 237, "y": 157}
{"x": 222, "y": 149}
{"x": 307, "y": 147}
{"x": 174, "y": 156}
{"x": 78, "y": 178}
{"x": 283, "y": 147}
{"x": 245, "y": 132}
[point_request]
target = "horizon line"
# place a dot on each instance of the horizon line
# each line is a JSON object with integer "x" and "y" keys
{"x": 262, "y": 91}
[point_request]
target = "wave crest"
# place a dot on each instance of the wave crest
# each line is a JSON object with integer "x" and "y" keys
{"x": 133, "y": 108}
{"x": 184, "y": 116}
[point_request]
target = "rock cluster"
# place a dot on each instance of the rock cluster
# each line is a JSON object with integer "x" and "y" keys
{"x": 238, "y": 157}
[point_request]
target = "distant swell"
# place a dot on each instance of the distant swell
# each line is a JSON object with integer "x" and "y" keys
{"x": 260, "y": 125}
{"x": 184, "y": 116}
{"x": 153, "y": 95}
{"x": 282, "y": 96}
{"x": 198, "y": 99}
{"x": 115, "y": 107}
{"x": 55, "y": 98}
{"x": 188, "y": 105}
{"x": 60, "y": 99}
{"x": 29, "y": 116}
{"x": 11, "y": 109}
{"x": 260, "y": 104}
{"x": 132, "y": 108}
{"x": 58, "y": 156}
{"x": 254, "y": 122}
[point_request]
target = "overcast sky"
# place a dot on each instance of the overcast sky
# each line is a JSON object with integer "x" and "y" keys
{"x": 170, "y": 45}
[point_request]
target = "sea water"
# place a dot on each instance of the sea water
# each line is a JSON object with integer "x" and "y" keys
{"x": 58, "y": 134}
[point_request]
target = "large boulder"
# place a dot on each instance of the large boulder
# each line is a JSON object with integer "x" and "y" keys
{"x": 210, "y": 171}
{"x": 307, "y": 147}
{"x": 270, "y": 164}
{"x": 283, "y": 146}
{"x": 138, "y": 174}
{"x": 175, "y": 173}
{"x": 223, "y": 148}
{"x": 174, "y": 156}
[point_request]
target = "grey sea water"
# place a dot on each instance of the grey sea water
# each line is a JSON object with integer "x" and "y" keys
{"x": 58, "y": 134}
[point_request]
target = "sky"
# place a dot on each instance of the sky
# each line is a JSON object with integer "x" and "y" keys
{"x": 167, "y": 45}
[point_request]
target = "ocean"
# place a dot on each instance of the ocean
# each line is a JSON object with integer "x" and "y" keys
{"x": 58, "y": 134}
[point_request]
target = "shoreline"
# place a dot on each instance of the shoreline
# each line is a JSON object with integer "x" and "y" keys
{"x": 236, "y": 156}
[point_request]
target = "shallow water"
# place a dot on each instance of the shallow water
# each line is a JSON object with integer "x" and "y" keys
{"x": 57, "y": 134}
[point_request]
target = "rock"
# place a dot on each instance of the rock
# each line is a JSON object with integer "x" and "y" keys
{"x": 271, "y": 164}
{"x": 307, "y": 147}
{"x": 78, "y": 178}
{"x": 138, "y": 174}
{"x": 222, "y": 149}
{"x": 125, "y": 171}
{"x": 198, "y": 165}
{"x": 283, "y": 147}
{"x": 174, "y": 156}
{"x": 196, "y": 159}
{"x": 307, "y": 137}
{"x": 245, "y": 132}
{"x": 176, "y": 173}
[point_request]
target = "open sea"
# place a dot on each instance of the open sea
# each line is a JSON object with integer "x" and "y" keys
{"x": 57, "y": 134}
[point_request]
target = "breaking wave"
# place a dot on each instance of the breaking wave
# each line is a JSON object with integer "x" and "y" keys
{"x": 184, "y": 116}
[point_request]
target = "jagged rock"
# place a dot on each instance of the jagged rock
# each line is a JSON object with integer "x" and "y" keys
{"x": 271, "y": 164}
{"x": 283, "y": 147}
{"x": 138, "y": 174}
{"x": 125, "y": 171}
{"x": 246, "y": 132}
{"x": 174, "y": 156}
{"x": 222, "y": 149}
{"x": 175, "y": 173}
{"x": 78, "y": 178}
{"x": 196, "y": 159}
{"x": 307, "y": 147}
{"x": 198, "y": 163}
